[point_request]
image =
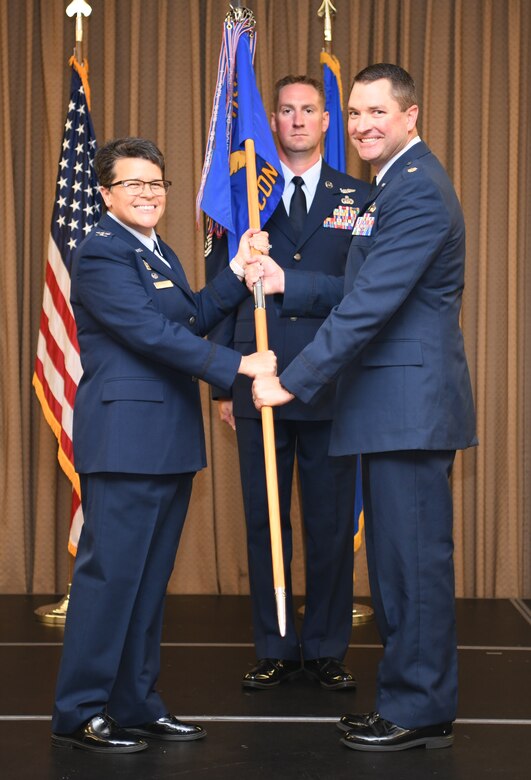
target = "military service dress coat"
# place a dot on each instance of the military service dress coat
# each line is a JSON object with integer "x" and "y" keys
{"x": 394, "y": 349}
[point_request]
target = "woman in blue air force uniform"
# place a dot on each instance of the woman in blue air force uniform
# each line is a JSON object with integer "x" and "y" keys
{"x": 138, "y": 441}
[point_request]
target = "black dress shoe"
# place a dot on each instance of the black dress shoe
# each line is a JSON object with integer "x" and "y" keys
{"x": 330, "y": 673}
{"x": 101, "y": 734}
{"x": 168, "y": 728}
{"x": 382, "y": 735}
{"x": 269, "y": 672}
{"x": 355, "y": 720}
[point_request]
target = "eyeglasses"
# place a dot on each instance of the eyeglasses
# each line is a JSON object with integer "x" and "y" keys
{"x": 136, "y": 186}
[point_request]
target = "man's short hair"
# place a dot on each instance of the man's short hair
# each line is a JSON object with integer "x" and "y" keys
{"x": 107, "y": 155}
{"x": 308, "y": 80}
{"x": 402, "y": 85}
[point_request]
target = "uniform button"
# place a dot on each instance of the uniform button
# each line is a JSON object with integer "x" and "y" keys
{"x": 293, "y": 319}
{"x": 191, "y": 320}
{"x": 297, "y": 256}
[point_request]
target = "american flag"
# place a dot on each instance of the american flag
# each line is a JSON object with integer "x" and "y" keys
{"x": 76, "y": 210}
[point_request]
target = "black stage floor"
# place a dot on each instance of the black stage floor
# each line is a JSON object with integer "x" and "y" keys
{"x": 285, "y": 733}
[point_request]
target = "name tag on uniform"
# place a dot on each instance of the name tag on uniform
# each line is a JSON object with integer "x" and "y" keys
{"x": 343, "y": 218}
{"x": 162, "y": 285}
{"x": 364, "y": 225}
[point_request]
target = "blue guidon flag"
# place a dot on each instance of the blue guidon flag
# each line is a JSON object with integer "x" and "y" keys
{"x": 237, "y": 115}
{"x": 334, "y": 154}
{"x": 334, "y": 147}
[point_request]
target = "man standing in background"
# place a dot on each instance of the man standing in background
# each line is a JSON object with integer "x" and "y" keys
{"x": 309, "y": 234}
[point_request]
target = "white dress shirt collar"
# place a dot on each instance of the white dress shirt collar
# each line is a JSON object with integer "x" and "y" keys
{"x": 311, "y": 180}
{"x": 380, "y": 174}
{"x": 150, "y": 242}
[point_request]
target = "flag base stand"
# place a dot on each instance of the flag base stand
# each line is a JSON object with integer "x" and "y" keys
{"x": 54, "y": 614}
{"x": 361, "y": 613}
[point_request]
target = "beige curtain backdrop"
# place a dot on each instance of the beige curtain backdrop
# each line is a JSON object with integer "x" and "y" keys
{"x": 152, "y": 72}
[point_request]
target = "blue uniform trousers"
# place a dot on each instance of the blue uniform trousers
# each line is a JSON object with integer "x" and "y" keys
{"x": 126, "y": 553}
{"x": 408, "y": 532}
{"x": 327, "y": 495}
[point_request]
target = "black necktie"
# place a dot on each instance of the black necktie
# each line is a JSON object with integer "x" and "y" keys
{"x": 297, "y": 207}
{"x": 374, "y": 187}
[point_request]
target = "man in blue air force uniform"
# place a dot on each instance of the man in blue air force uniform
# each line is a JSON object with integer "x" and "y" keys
{"x": 309, "y": 234}
{"x": 138, "y": 441}
{"x": 404, "y": 401}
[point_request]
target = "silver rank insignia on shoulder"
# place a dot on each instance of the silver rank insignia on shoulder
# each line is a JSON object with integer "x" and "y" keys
{"x": 346, "y": 190}
{"x": 347, "y": 201}
{"x": 208, "y": 245}
{"x": 103, "y": 233}
{"x": 411, "y": 170}
{"x": 145, "y": 263}
{"x": 329, "y": 185}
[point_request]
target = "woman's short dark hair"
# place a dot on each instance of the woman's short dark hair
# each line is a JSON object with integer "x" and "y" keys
{"x": 402, "y": 85}
{"x": 107, "y": 155}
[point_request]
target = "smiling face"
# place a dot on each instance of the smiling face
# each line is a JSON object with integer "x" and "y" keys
{"x": 140, "y": 212}
{"x": 378, "y": 127}
{"x": 299, "y": 122}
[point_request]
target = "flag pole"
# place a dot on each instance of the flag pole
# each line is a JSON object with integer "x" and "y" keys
{"x": 239, "y": 141}
{"x": 326, "y": 12}
{"x": 80, "y": 8}
{"x": 268, "y": 429}
{"x": 361, "y": 613}
{"x": 55, "y": 614}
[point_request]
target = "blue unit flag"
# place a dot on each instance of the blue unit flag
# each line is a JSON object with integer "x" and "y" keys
{"x": 334, "y": 151}
{"x": 334, "y": 154}
{"x": 237, "y": 115}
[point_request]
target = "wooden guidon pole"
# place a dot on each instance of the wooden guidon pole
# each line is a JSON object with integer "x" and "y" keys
{"x": 268, "y": 429}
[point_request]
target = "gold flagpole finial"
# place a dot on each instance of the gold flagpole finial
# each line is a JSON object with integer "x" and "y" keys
{"x": 327, "y": 11}
{"x": 80, "y": 8}
{"x": 238, "y": 13}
